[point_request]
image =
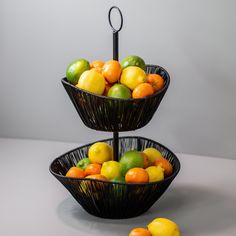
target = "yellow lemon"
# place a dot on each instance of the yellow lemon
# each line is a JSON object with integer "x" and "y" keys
{"x": 100, "y": 152}
{"x": 110, "y": 169}
{"x": 92, "y": 81}
{"x": 152, "y": 154}
{"x": 132, "y": 76}
{"x": 163, "y": 227}
{"x": 155, "y": 173}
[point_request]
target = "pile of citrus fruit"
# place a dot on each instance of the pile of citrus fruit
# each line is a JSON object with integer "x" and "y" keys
{"x": 125, "y": 79}
{"x": 134, "y": 166}
{"x": 158, "y": 227}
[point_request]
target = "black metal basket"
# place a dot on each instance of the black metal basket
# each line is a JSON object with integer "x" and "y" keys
{"x": 109, "y": 199}
{"x": 110, "y": 114}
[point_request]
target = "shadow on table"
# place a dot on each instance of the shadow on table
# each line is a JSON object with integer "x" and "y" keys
{"x": 197, "y": 211}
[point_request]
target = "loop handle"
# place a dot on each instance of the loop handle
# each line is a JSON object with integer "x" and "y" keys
{"x": 121, "y": 19}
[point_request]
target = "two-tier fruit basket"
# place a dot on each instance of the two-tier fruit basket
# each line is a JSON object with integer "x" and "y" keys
{"x": 114, "y": 199}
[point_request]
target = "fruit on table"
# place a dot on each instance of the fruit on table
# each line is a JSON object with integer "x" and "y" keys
{"x": 111, "y": 71}
{"x": 110, "y": 169}
{"x": 119, "y": 91}
{"x": 92, "y": 81}
{"x": 132, "y": 76}
{"x": 163, "y": 227}
{"x": 133, "y": 61}
{"x": 139, "y": 232}
{"x": 82, "y": 164}
{"x": 155, "y": 173}
{"x": 130, "y": 159}
{"x": 142, "y": 90}
{"x": 75, "y": 70}
{"x": 100, "y": 152}
{"x": 93, "y": 169}
{"x": 165, "y": 164}
{"x": 97, "y": 176}
{"x": 75, "y": 172}
{"x": 136, "y": 175}
{"x": 156, "y": 81}
{"x": 152, "y": 154}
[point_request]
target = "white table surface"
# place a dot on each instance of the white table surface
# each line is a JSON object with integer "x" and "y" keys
{"x": 202, "y": 198}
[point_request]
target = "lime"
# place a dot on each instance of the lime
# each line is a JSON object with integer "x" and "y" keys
{"x": 133, "y": 61}
{"x": 130, "y": 160}
{"x": 119, "y": 179}
{"x": 110, "y": 169}
{"x": 100, "y": 152}
{"x": 155, "y": 173}
{"x": 133, "y": 76}
{"x": 163, "y": 227}
{"x": 119, "y": 91}
{"x": 75, "y": 70}
{"x": 83, "y": 163}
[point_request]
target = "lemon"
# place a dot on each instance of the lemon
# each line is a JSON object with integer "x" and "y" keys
{"x": 163, "y": 227}
{"x": 100, "y": 152}
{"x": 92, "y": 81}
{"x": 155, "y": 173}
{"x": 132, "y": 76}
{"x": 110, "y": 169}
{"x": 75, "y": 70}
{"x": 152, "y": 154}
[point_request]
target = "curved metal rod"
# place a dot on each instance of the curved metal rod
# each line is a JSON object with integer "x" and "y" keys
{"x": 121, "y": 19}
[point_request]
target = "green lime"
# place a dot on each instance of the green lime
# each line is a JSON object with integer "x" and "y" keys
{"x": 133, "y": 61}
{"x": 75, "y": 69}
{"x": 130, "y": 160}
{"x": 119, "y": 179}
{"x": 119, "y": 91}
{"x": 83, "y": 163}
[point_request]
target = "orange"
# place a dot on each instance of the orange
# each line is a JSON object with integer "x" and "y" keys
{"x": 75, "y": 172}
{"x": 93, "y": 169}
{"x": 136, "y": 175}
{"x": 156, "y": 81}
{"x": 145, "y": 160}
{"x": 107, "y": 87}
{"x": 97, "y": 65}
{"x": 143, "y": 90}
{"x": 96, "y": 176}
{"x": 139, "y": 232}
{"x": 165, "y": 164}
{"x": 111, "y": 71}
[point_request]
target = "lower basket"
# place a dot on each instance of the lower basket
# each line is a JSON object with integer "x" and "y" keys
{"x": 108, "y": 199}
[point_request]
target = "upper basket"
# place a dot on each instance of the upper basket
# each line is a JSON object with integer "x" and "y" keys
{"x": 115, "y": 115}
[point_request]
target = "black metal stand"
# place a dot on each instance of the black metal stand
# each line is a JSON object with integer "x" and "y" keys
{"x": 115, "y": 57}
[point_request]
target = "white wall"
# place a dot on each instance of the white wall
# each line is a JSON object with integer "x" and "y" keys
{"x": 193, "y": 40}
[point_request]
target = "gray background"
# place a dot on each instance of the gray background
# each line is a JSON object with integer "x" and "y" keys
{"x": 193, "y": 40}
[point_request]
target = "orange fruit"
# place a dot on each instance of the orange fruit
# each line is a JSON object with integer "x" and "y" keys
{"x": 93, "y": 169}
{"x": 156, "y": 81}
{"x": 165, "y": 164}
{"x": 139, "y": 232}
{"x": 145, "y": 160}
{"x": 136, "y": 175}
{"x": 96, "y": 176}
{"x": 111, "y": 71}
{"x": 107, "y": 88}
{"x": 75, "y": 172}
{"x": 143, "y": 90}
{"x": 97, "y": 65}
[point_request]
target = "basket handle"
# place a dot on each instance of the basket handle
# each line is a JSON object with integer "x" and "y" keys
{"x": 115, "y": 32}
